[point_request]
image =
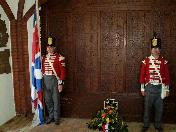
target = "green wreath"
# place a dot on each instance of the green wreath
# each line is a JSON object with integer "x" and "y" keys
{"x": 108, "y": 116}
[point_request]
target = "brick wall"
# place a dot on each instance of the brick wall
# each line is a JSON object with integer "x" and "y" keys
{"x": 20, "y": 66}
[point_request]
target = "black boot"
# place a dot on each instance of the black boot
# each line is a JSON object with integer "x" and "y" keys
{"x": 57, "y": 122}
{"x": 48, "y": 121}
{"x": 160, "y": 129}
{"x": 144, "y": 129}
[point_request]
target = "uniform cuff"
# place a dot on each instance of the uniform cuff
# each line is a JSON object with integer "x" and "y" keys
{"x": 167, "y": 88}
{"x": 60, "y": 82}
{"x": 142, "y": 87}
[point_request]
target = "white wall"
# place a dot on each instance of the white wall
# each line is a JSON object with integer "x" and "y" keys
{"x": 13, "y": 6}
{"x": 30, "y": 31}
{"x": 30, "y": 36}
{"x": 28, "y": 4}
{"x": 7, "y": 104}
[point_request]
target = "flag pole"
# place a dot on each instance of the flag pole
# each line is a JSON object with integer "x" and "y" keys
{"x": 38, "y": 22}
{"x": 36, "y": 74}
{"x": 38, "y": 26}
{"x": 39, "y": 35}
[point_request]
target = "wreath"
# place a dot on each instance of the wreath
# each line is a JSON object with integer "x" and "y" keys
{"x": 108, "y": 119}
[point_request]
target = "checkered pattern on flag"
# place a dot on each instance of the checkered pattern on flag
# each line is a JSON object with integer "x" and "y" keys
{"x": 36, "y": 76}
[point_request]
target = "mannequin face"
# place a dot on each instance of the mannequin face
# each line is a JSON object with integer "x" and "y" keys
{"x": 50, "y": 49}
{"x": 155, "y": 52}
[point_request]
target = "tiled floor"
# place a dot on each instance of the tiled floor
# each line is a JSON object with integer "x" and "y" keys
{"x": 23, "y": 124}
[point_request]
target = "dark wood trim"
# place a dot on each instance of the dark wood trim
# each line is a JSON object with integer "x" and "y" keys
{"x": 20, "y": 9}
{"x": 7, "y": 10}
{"x": 30, "y": 12}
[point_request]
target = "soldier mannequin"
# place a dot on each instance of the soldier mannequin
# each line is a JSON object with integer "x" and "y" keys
{"x": 53, "y": 85}
{"x": 154, "y": 79}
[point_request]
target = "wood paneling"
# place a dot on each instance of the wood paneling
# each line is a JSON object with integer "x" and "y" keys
{"x": 134, "y": 49}
{"x": 113, "y": 29}
{"x": 104, "y": 43}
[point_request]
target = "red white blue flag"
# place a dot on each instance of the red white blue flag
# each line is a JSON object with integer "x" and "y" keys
{"x": 105, "y": 128}
{"x": 36, "y": 74}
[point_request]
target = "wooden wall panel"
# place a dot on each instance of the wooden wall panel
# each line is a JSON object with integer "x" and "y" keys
{"x": 86, "y": 62}
{"x": 61, "y": 27}
{"x": 112, "y": 51}
{"x": 135, "y": 38}
{"x": 104, "y": 43}
{"x": 86, "y": 59}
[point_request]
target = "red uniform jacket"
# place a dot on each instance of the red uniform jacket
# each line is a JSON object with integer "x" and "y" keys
{"x": 58, "y": 64}
{"x": 145, "y": 76}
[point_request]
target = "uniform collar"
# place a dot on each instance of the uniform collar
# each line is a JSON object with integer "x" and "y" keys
{"x": 51, "y": 53}
{"x": 153, "y": 58}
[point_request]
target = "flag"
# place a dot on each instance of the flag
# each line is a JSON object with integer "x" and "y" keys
{"x": 105, "y": 128}
{"x": 36, "y": 72}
